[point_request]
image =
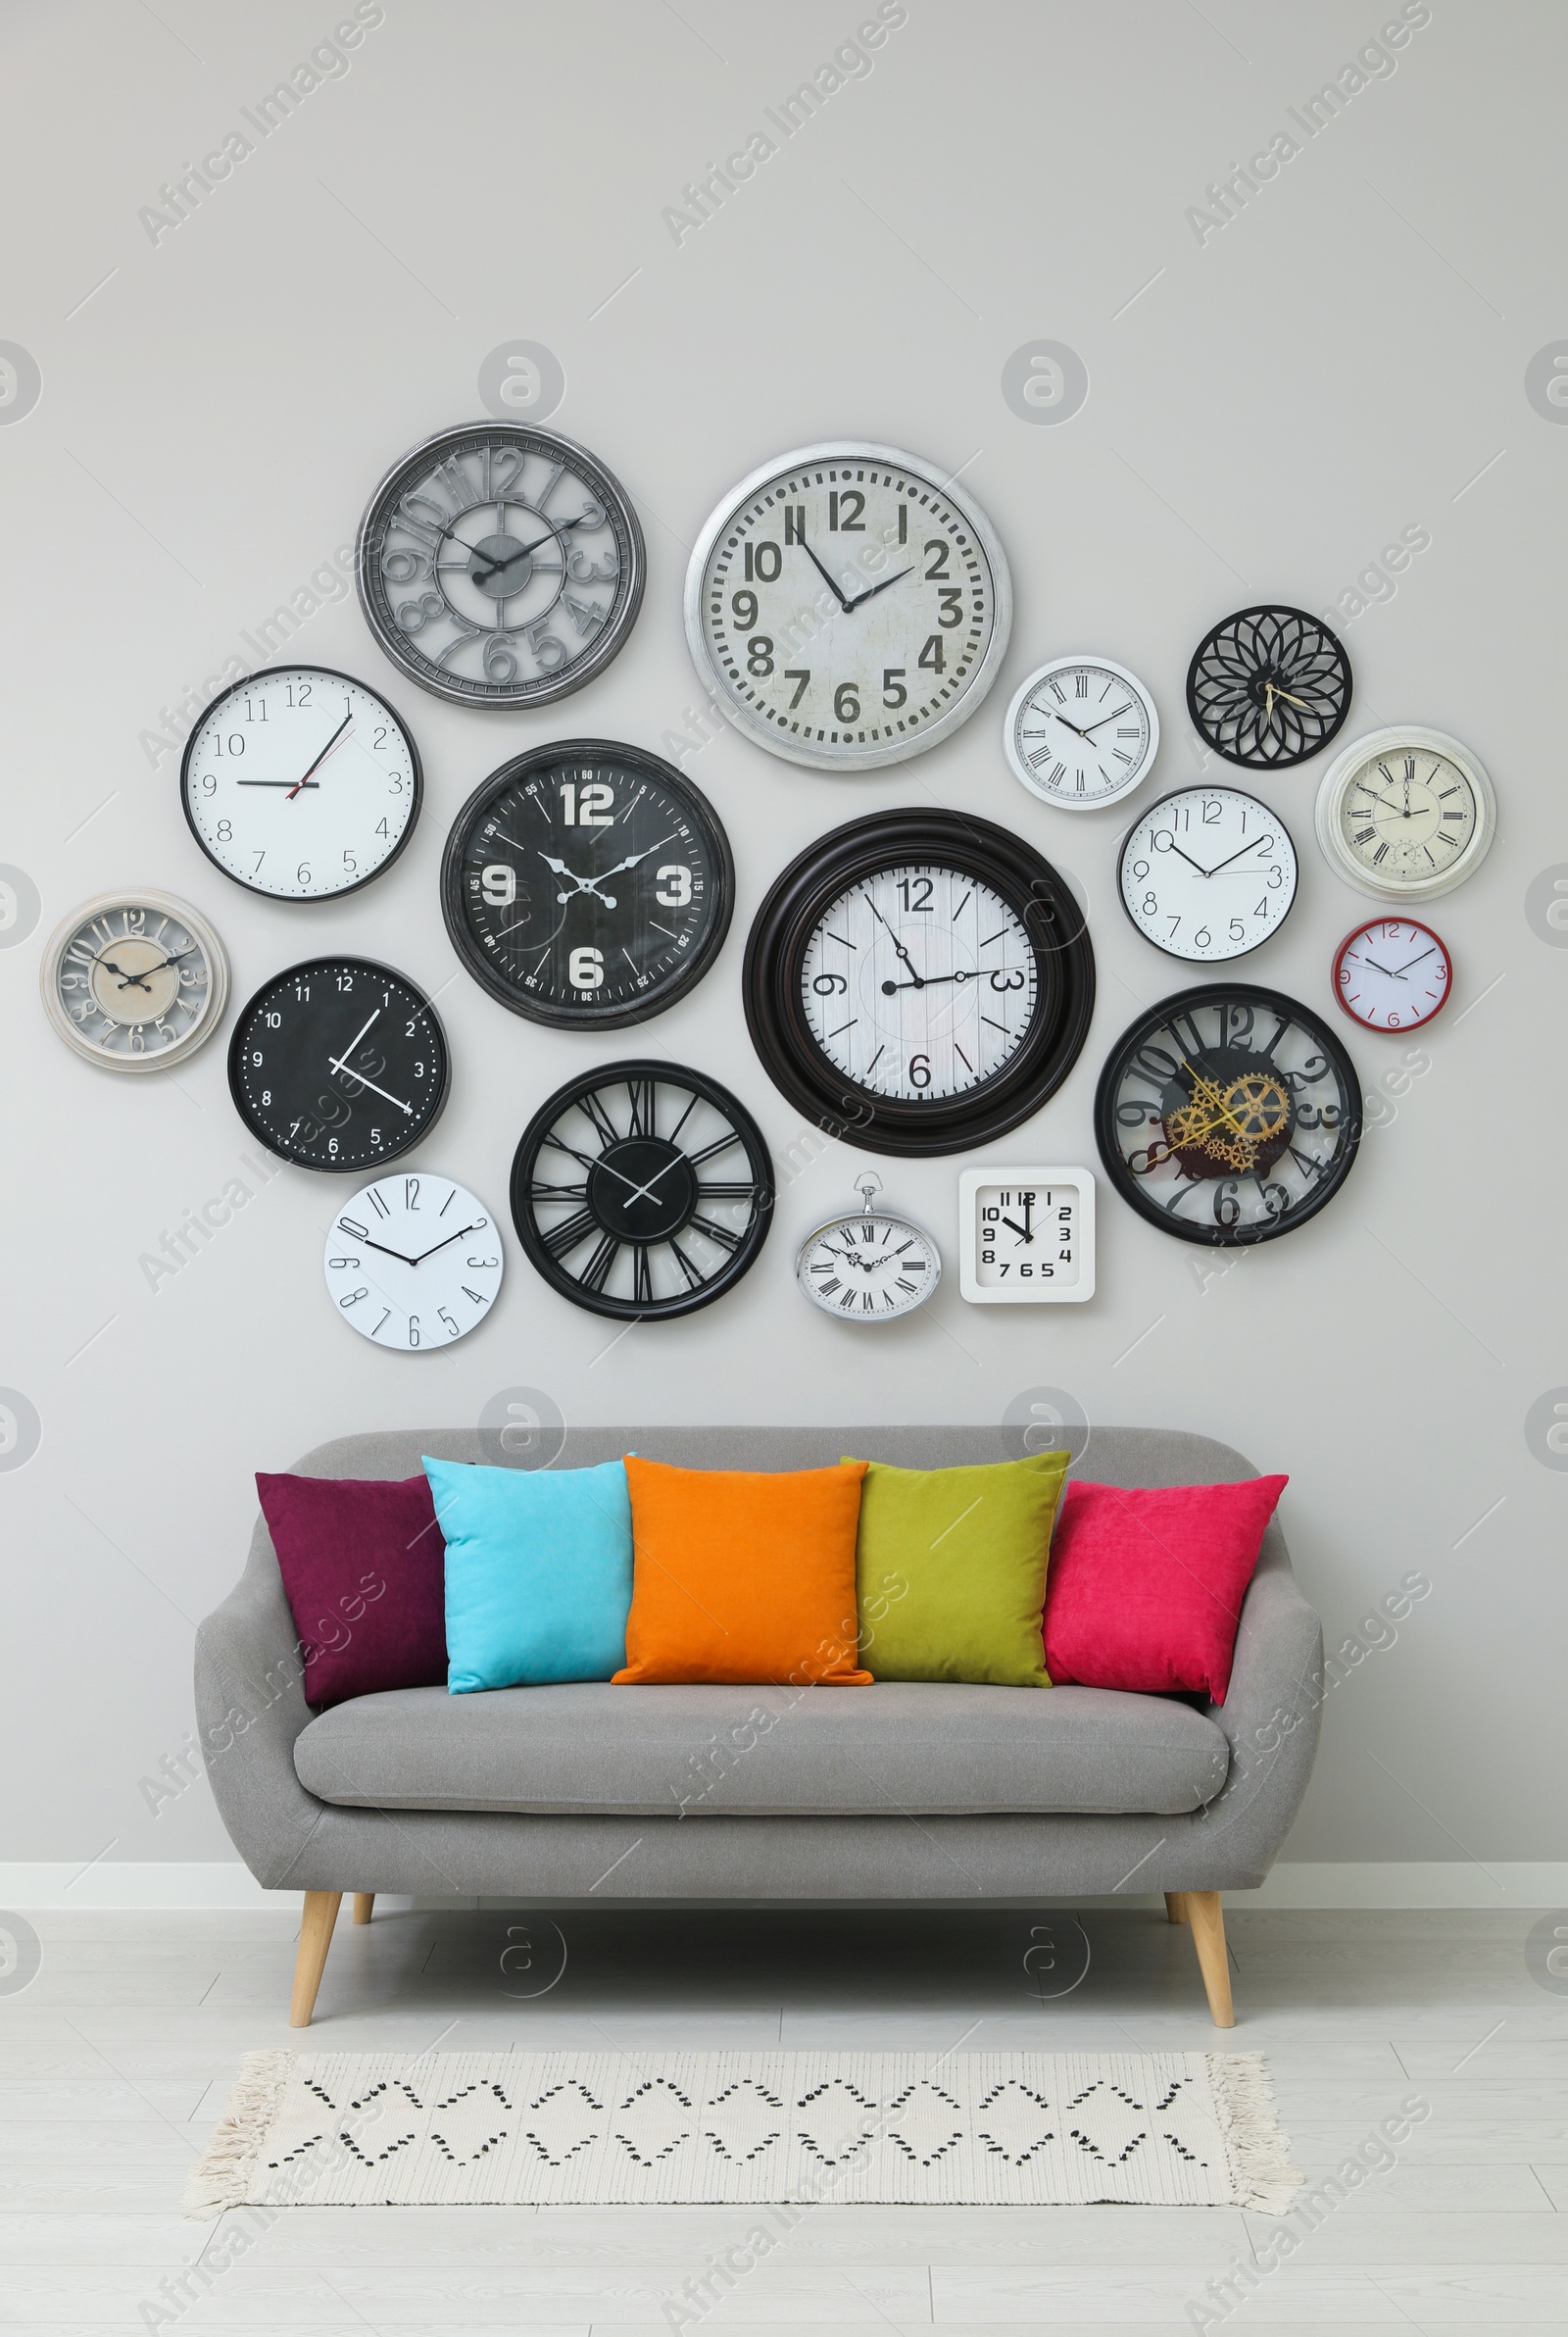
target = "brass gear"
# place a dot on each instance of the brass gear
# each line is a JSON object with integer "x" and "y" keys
{"x": 1235, "y": 1122}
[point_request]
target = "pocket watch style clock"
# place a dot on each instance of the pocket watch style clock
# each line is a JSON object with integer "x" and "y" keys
{"x": 338, "y": 1064}
{"x": 871, "y": 1266}
{"x": 1026, "y": 1236}
{"x": 1208, "y": 873}
{"x": 413, "y": 1262}
{"x": 1268, "y": 687}
{"x": 587, "y": 884}
{"x": 1392, "y": 974}
{"x": 641, "y": 1190}
{"x": 847, "y": 605}
{"x": 1405, "y": 813}
{"x": 300, "y": 783}
{"x": 1228, "y": 1114}
{"x": 1081, "y": 732}
{"x": 135, "y": 980}
{"x": 924, "y": 976}
{"x": 500, "y": 566}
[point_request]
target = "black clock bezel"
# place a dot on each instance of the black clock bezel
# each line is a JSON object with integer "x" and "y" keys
{"x": 478, "y": 962}
{"x": 332, "y": 673}
{"x": 1196, "y": 787}
{"x": 397, "y": 646}
{"x": 1209, "y": 994}
{"x": 239, "y": 1037}
{"x": 1279, "y": 609}
{"x": 1064, "y": 965}
{"x": 617, "y": 1074}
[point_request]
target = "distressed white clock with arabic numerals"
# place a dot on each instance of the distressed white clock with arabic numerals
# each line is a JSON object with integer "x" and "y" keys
{"x": 1026, "y": 1236}
{"x": 413, "y": 1262}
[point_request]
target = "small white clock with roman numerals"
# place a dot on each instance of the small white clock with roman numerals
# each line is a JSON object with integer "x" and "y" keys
{"x": 1081, "y": 732}
{"x": 871, "y": 1266}
{"x": 413, "y": 1262}
{"x": 1026, "y": 1236}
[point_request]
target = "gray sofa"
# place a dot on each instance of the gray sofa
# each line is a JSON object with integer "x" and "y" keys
{"x": 901, "y": 1791}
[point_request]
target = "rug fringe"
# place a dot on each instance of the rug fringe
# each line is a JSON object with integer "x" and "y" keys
{"x": 223, "y": 2176}
{"x": 1260, "y": 2155}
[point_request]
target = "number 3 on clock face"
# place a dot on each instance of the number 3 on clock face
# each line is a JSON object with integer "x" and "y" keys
{"x": 1026, "y": 1236}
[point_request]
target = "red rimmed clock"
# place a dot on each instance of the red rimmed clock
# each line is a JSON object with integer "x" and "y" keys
{"x": 1392, "y": 974}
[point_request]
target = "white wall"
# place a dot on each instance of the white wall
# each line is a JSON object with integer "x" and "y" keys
{"x": 1268, "y": 408}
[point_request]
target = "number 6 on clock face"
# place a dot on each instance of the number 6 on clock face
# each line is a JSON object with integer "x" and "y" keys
{"x": 1026, "y": 1236}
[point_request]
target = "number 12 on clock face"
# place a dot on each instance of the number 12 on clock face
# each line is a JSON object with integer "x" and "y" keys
{"x": 1026, "y": 1236}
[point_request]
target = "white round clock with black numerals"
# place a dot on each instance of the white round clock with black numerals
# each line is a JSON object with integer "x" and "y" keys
{"x": 1081, "y": 732}
{"x": 848, "y": 605}
{"x": 500, "y": 566}
{"x": 587, "y": 884}
{"x": 1208, "y": 873}
{"x": 1405, "y": 813}
{"x": 869, "y": 1266}
{"x": 135, "y": 981}
{"x": 413, "y": 1262}
{"x": 338, "y": 1064}
{"x": 300, "y": 783}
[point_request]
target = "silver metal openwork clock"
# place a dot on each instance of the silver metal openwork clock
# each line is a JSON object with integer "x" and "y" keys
{"x": 869, "y": 1266}
{"x": 500, "y": 566}
{"x": 848, "y": 605}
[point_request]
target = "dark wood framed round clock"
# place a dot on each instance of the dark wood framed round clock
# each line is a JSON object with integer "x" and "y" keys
{"x": 587, "y": 884}
{"x": 338, "y": 1064}
{"x": 642, "y": 1190}
{"x": 1228, "y": 1114}
{"x": 921, "y": 977}
{"x": 1269, "y": 687}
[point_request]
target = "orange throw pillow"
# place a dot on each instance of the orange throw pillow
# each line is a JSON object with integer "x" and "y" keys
{"x": 743, "y": 1575}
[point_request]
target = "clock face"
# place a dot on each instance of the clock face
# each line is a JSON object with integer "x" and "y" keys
{"x": 1081, "y": 733}
{"x": 136, "y": 982}
{"x": 923, "y": 978}
{"x": 1027, "y": 1236}
{"x": 300, "y": 783}
{"x": 587, "y": 884}
{"x": 1228, "y": 1114}
{"x": 338, "y": 1064}
{"x": 868, "y": 1268}
{"x": 1208, "y": 873}
{"x": 1268, "y": 687}
{"x": 1392, "y": 974}
{"x": 1406, "y": 814}
{"x": 848, "y": 605}
{"x": 641, "y": 1190}
{"x": 413, "y": 1262}
{"x": 500, "y": 566}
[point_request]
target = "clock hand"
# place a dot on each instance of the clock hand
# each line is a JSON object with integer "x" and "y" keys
{"x": 930, "y": 981}
{"x": 1104, "y": 718}
{"x": 584, "y": 884}
{"x": 519, "y": 552}
{"x": 1292, "y": 701}
{"x": 320, "y": 757}
{"x": 1225, "y": 864}
{"x": 873, "y": 590}
{"x": 845, "y": 605}
{"x": 1187, "y": 858}
{"x": 293, "y": 785}
{"x": 368, "y": 1244}
{"x": 126, "y": 979}
{"x": 632, "y": 860}
{"x": 917, "y": 983}
{"x": 441, "y": 1245}
{"x": 336, "y": 1063}
{"x": 1392, "y": 973}
{"x": 1402, "y": 971}
{"x": 140, "y": 982}
{"x": 1022, "y": 1231}
{"x": 1072, "y": 726}
{"x": 587, "y": 1161}
{"x": 1381, "y": 799}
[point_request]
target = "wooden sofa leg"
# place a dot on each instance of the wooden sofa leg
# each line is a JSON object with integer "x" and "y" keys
{"x": 1207, "y": 1919}
{"x": 1175, "y": 1912}
{"x": 316, "y": 1937}
{"x": 363, "y": 1901}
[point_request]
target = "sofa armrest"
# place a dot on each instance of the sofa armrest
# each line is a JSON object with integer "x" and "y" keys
{"x": 1271, "y": 1715}
{"x": 250, "y": 1707}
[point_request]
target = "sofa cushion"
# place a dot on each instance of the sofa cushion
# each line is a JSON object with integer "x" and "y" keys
{"x": 930, "y": 1748}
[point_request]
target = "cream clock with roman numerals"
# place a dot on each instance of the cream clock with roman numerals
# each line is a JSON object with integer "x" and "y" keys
{"x": 135, "y": 981}
{"x": 1026, "y": 1236}
{"x": 413, "y": 1262}
{"x": 1405, "y": 813}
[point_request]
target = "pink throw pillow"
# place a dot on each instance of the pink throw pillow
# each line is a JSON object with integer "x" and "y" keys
{"x": 1146, "y": 1585}
{"x": 364, "y": 1568}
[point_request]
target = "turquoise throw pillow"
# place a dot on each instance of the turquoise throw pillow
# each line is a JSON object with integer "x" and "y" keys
{"x": 538, "y": 1572}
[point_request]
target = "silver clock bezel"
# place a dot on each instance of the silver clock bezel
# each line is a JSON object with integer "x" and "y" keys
{"x": 864, "y": 1217}
{"x": 1393, "y": 739}
{"x": 1017, "y": 763}
{"x": 136, "y": 896}
{"x": 766, "y": 734}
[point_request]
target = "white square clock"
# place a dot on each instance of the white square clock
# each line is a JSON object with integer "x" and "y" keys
{"x": 1026, "y": 1236}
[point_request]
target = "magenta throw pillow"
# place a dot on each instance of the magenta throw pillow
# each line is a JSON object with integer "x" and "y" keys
{"x": 1146, "y": 1585}
{"x": 362, "y": 1564}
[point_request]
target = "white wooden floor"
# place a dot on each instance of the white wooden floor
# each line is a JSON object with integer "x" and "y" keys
{"x": 115, "y": 2061}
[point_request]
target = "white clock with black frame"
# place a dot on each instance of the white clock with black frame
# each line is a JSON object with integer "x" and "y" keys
{"x": 1208, "y": 873}
{"x": 413, "y": 1262}
{"x": 1026, "y": 1236}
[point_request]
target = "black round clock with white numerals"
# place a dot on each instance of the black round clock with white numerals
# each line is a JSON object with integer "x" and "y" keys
{"x": 587, "y": 884}
{"x": 1228, "y": 1114}
{"x": 500, "y": 566}
{"x": 642, "y": 1190}
{"x": 920, "y": 977}
{"x": 338, "y": 1064}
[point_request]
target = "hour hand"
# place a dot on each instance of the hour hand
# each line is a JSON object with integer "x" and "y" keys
{"x": 873, "y": 590}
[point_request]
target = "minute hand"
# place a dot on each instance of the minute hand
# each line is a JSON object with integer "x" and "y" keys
{"x": 1225, "y": 864}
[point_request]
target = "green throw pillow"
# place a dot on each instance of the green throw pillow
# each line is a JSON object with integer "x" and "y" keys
{"x": 950, "y": 1571}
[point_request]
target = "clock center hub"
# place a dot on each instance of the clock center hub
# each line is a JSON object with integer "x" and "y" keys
{"x": 131, "y": 982}
{"x": 642, "y": 1189}
{"x": 500, "y": 566}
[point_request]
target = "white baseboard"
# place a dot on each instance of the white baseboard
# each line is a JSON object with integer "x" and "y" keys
{"x": 125, "y": 1887}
